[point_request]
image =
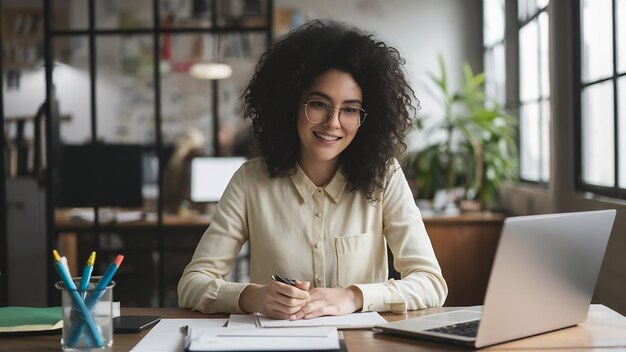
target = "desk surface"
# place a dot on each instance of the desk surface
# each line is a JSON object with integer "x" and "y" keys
{"x": 64, "y": 223}
{"x": 603, "y": 329}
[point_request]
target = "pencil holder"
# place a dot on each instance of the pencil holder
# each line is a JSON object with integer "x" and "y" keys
{"x": 87, "y": 316}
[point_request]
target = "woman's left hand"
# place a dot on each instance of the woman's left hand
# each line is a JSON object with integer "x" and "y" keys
{"x": 331, "y": 301}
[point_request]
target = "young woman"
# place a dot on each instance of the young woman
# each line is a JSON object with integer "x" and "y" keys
{"x": 330, "y": 107}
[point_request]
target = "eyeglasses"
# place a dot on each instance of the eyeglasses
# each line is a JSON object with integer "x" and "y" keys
{"x": 350, "y": 117}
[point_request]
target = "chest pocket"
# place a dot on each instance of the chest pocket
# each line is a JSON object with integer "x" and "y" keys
{"x": 356, "y": 259}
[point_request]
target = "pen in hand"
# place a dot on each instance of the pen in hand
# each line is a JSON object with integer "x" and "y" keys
{"x": 284, "y": 280}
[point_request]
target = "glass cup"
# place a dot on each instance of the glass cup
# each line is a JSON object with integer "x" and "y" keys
{"x": 88, "y": 325}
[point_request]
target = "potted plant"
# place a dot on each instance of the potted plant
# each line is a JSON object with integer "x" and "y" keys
{"x": 477, "y": 149}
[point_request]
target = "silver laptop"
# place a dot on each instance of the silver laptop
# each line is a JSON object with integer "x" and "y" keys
{"x": 543, "y": 277}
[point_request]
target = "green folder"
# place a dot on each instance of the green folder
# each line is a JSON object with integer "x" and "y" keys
{"x": 29, "y": 320}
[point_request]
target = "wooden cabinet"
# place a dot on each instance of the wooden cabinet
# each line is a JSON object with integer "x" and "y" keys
{"x": 465, "y": 246}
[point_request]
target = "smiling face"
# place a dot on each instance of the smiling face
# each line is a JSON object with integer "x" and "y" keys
{"x": 322, "y": 143}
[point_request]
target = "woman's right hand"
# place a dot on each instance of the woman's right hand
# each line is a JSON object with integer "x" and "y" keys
{"x": 275, "y": 299}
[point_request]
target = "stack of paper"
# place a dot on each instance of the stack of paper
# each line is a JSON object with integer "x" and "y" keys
{"x": 168, "y": 335}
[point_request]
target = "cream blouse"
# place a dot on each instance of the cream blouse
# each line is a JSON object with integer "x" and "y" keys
{"x": 330, "y": 236}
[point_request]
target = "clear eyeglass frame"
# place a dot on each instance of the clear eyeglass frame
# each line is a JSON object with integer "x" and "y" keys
{"x": 330, "y": 108}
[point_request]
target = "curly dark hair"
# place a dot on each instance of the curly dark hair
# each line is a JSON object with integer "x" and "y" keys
{"x": 289, "y": 67}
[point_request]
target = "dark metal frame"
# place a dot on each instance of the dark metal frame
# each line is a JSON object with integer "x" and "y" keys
{"x": 4, "y": 264}
{"x": 156, "y": 31}
{"x": 614, "y": 191}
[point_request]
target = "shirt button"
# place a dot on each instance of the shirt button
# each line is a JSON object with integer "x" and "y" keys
{"x": 318, "y": 214}
{"x": 317, "y": 278}
{"x": 370, "y": 307}
{"x": 319, "y": 190}
{"x": 317, "y": 245}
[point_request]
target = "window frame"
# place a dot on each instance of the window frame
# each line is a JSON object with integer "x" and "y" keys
{"x": 580, "y": 185}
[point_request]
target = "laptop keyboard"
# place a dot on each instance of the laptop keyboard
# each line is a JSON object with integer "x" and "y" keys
{"x": 467, "y": 329}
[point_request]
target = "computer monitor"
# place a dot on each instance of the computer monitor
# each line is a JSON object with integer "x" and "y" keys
{"x": 210, "y": 176}
{"x": 104, "y": 175}
{"x": 150, "y": 162}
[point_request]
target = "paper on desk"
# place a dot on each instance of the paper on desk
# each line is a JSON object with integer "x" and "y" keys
{"x": 241, "y": 321}
{"x": 348, "y": 321}
{"x": 254, "y": 339}
{"x": 166, "y": 336}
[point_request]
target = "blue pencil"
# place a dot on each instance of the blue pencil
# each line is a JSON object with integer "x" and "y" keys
{"x": 94, "y": 297}
{"x": 78, "y": 301}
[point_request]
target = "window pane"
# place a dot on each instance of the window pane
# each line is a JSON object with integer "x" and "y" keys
{"x": 495, "y": 89}
{"x": 597, "y": 40}
{"x": 70, "y": 14}
{"x": 72, "y": 87}
{"x": 529, "y": 65}
{"x": 125, "y": 93}
{"x": 530, "y": 142}
{"x": 185, "y": 101}
{"x": 597, "y": 135}
{"x": 522, "y": 11}
{"x": 251, "y": 13}
{"x": 123, "y": 14}
{"x": 528, "y": 8}
{"x": 544, "y": 52}
{"x": 493, "y": 30}
{"x": 545, "y": 140}
{"x": 542, "y": 3}
{"x": 22, "y": 38}
{"x": 621, "y": 35}
{"x": 621, "y": 107}
{"x": 186, "y": 13}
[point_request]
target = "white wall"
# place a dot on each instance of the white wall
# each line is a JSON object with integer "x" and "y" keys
{"x": 419, "y": 29}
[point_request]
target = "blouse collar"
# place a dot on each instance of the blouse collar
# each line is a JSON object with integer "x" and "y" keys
{"x": 334, "y": 189}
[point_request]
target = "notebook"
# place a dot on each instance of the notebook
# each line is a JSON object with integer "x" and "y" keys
{"x": 543, "y": 277}
{"x": 30, "y": 321}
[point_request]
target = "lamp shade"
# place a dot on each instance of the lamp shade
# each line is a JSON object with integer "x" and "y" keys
{"x": 210, "y": 70}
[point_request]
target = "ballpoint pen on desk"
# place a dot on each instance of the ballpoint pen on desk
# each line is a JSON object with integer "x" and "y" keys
{"x": 84, "y": 280}
{"x": 78, "y": 301}
{"x": 94, "y": 296}
{"x": 284, "y": 280}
